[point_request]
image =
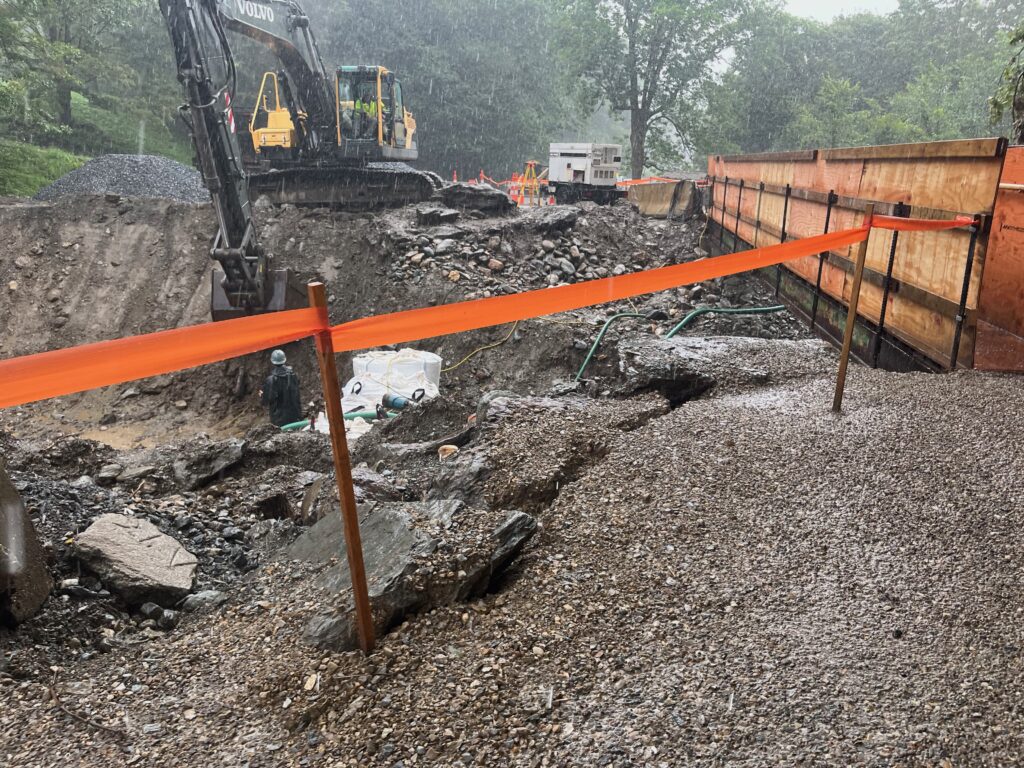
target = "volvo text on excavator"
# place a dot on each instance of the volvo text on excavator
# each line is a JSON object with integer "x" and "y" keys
{"x": 341, "y": 143}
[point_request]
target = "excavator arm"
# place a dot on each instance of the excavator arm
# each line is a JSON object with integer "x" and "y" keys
{"x": 207, "y": 74}
{"x": 283, "y": 28}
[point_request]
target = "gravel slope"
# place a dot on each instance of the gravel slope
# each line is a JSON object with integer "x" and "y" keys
{"x": 747, "y": 581}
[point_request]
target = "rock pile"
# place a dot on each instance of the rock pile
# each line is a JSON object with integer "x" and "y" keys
{"x": 544, "y": 247}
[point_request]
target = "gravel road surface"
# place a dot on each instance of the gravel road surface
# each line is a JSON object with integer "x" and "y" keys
{"x": 746, "y": 581}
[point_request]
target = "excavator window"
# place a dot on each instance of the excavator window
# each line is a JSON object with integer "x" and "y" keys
{"x": 399, "y": 104}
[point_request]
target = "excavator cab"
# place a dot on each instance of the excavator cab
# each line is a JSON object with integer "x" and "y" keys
{"x": 373, "y": 122}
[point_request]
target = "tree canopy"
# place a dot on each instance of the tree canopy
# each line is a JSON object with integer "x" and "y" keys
{"x": 492, "y": 83}
{"x": 650, "y": 58}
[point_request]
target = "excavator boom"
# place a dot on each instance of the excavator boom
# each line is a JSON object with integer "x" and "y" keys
{"x": 207, "y": 75}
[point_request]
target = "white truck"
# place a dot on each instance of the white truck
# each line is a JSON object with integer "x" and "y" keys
{"x": 578, "y": 171}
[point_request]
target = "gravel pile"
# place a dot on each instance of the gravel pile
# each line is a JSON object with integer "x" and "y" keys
{"x": 133, "y": 176}
{"x": 746, "y": 580}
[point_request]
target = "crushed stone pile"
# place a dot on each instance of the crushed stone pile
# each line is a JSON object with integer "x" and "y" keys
{"x": 132, "y": 176}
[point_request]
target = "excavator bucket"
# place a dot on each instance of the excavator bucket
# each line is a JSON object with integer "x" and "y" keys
{"x": 284, "y": 294}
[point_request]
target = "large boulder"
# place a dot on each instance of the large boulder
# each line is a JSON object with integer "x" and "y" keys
{"x": 25, "y": 581}
{"x": 478, "y": 197}
{"x": 554, "y": 218}
{"x": 200, "y": 463}
{"x": 136, "y": 560}
{"x": 418, "y": 555}
{"x": 685, "y": 367}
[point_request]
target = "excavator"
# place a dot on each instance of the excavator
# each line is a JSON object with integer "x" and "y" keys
{"x": 336, "y": 139}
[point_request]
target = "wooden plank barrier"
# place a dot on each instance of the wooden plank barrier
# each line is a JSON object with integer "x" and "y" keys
{"x": 929, "y": 283}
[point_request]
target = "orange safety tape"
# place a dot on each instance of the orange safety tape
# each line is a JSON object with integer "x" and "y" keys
{"x": 77, "y": 369}
{"x": 920, "y": 225}
{"x": 647, "y": 180}
{"x": 430, "y": 322}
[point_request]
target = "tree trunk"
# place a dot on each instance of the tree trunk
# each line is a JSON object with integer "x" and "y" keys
{"x": 1018, "y": 117}
{"x": 64, "y": 102}
{"x": 638, "y": 143}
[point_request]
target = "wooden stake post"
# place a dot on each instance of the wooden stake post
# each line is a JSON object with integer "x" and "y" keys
{"x": 343, "y": 472}
{"x": 851, "y": 316}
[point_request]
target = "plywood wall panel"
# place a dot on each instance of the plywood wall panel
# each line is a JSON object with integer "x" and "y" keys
{"x": 945, "y": 177}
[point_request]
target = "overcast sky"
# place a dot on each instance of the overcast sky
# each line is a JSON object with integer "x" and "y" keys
{"x": 826, "y": 9}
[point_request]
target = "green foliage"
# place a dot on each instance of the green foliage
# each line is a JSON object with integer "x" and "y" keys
{"x": 25, "y": 169}
{"x": 1008, "y": 100}
{"x": 85, "y": 76}
{"x": 98, "y": 131}
{"x": 922, "y": 73}
{"x": 650, "y": 58}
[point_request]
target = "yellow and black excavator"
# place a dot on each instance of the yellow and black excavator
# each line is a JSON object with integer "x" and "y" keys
{"x": 343, "y": 142}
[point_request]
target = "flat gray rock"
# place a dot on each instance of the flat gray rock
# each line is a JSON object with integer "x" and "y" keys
{"x": 409, "y": 551}
{"x": 133, "y": 558}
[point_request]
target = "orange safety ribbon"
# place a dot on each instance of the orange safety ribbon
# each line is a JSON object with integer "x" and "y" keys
{"x": 920, "y": 225}
{"x": 77, "y": 369}
{"x": 430, "y": 322}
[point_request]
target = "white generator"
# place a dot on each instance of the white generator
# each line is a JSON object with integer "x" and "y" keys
{"x": 578, "y": 171}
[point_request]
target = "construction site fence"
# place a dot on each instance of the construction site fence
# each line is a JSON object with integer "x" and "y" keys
{"x": 78, "y": 369}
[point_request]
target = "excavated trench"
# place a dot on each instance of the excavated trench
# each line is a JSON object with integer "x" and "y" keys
{"x": 191, "y": 452}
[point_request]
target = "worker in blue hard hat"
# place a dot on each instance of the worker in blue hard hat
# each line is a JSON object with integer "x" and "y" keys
{"x": 280, "y": 393}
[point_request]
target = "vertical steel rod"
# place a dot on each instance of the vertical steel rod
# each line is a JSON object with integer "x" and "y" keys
{"x": 757, "y": 224}
{"x": 782, "y": 239}
{"x": 736, "y": 231}
{"x": 343, "y": 472}
{"x": 961, "y": 317}
{"x": 876, "y": 349}
{"x": 851, "y": 314}
{"x": 833, "y": 198}
{"x": 725, "y": 204}
{"x": 711, "y": 212}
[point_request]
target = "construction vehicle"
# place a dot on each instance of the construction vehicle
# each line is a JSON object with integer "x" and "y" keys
{"x": 324, "y": 154}
{"x": 585, "y": 172}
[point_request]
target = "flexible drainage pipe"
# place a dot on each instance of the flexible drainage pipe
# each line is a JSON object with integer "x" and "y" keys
{"x": 600, "y": 338}
{"x": 686, "y": 321}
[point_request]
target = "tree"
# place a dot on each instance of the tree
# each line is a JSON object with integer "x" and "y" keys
{"x": 79, "y": 35}
{"x": 650, "y": 57}
{"x": 1009, "y": 96}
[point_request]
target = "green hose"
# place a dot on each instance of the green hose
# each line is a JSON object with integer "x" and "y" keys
{"x": 368, "y": 415}
{"x": 600, "y": 338}
{"x": 685, "y": 322}
{"x": 712, "y": 310}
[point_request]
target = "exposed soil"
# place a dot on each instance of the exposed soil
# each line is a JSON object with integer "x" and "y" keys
{"x": 723, "y": 572}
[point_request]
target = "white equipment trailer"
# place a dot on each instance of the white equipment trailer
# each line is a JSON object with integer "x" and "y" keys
{"x": 579, "y": 171}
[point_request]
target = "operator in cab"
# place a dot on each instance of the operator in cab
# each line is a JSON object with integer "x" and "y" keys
{"x": 280, "y": 393}
{"x": 366, "y": 110}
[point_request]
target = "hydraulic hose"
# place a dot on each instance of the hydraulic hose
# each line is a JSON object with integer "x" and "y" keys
{"x": 686, "y": 321}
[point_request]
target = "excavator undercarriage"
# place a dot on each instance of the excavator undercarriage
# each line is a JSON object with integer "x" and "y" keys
{"x": 357, "y": 188}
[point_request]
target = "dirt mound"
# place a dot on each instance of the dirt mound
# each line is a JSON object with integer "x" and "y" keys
{"x": 131, "y": 176}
